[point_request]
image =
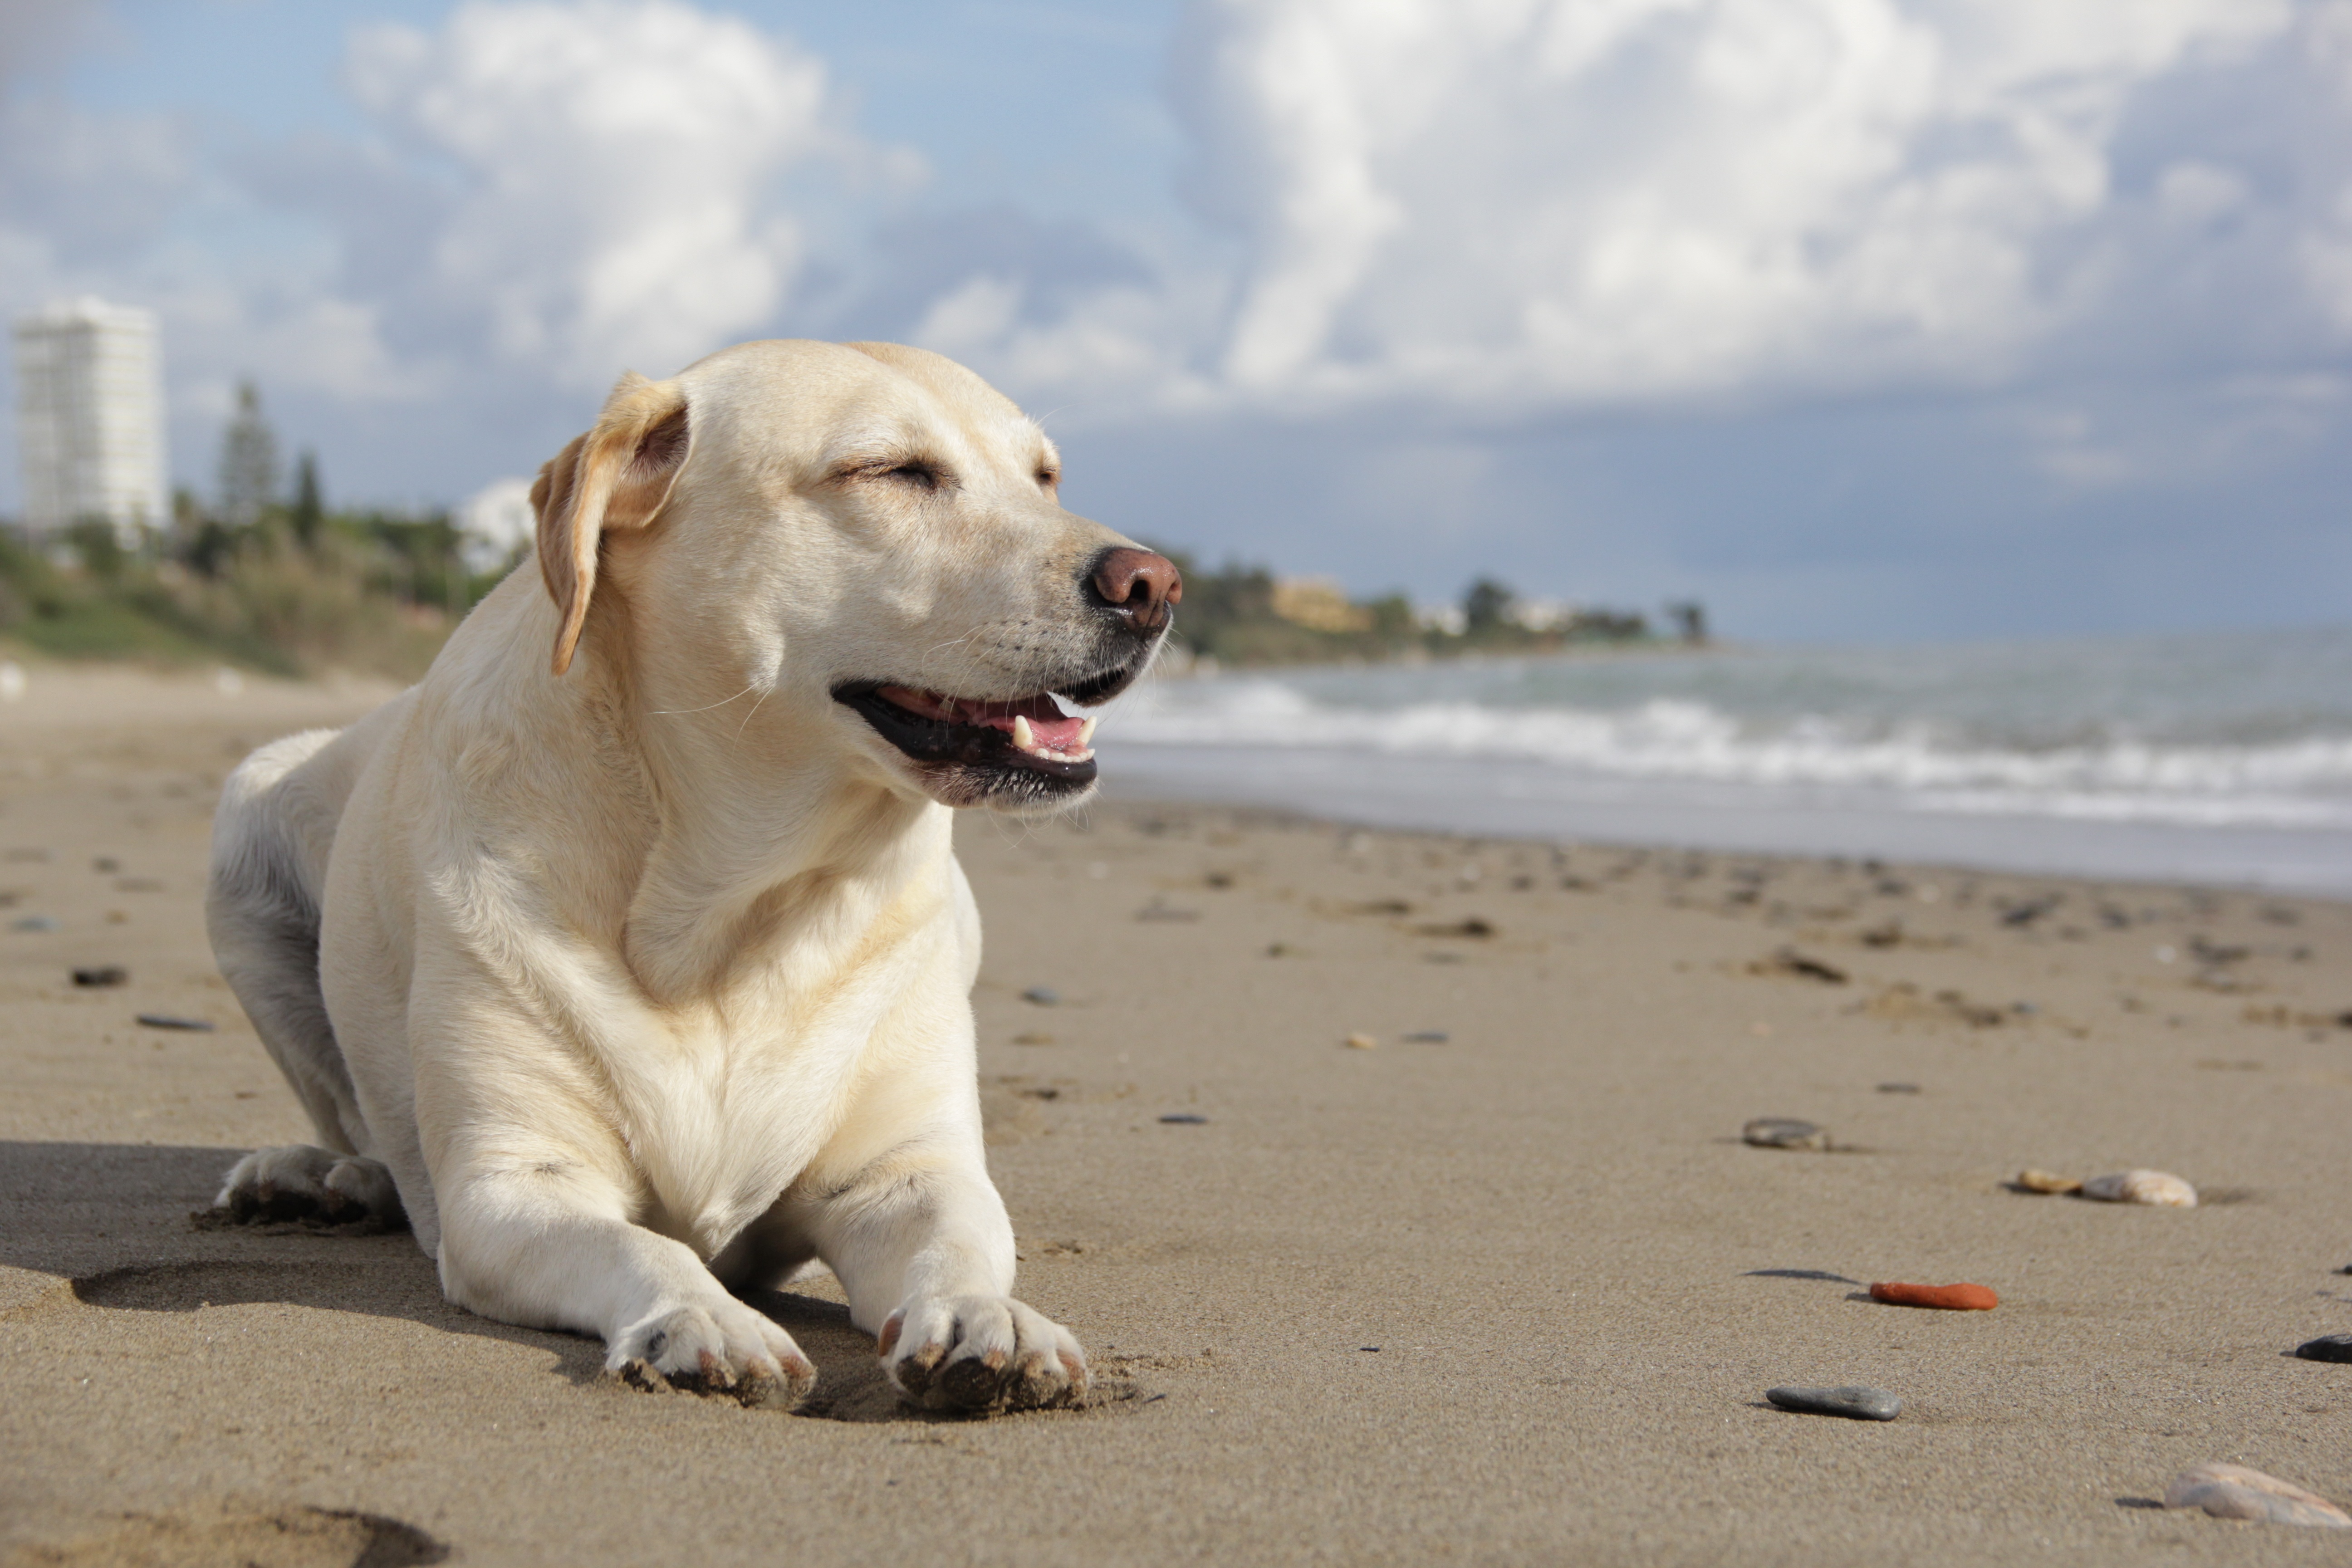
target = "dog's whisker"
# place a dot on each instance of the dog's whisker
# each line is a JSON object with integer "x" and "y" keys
{"x": 751, "y": 715}
{"x": 664, "y": 712}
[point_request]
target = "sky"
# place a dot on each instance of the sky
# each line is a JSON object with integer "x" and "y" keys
{"x": 1858, "y": 319}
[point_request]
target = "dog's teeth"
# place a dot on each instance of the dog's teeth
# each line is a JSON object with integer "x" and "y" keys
{"x": 1087, "y": 733}
{"x": 1022, "y": 735}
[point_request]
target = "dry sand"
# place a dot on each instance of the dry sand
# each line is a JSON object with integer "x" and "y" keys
{"x": 1515, "y": 1297}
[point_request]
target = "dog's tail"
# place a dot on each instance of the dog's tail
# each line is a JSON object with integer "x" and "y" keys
{"x": 271, "y": 837}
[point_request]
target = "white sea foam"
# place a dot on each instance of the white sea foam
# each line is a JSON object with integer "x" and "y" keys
{"x": 1921, "y": 763}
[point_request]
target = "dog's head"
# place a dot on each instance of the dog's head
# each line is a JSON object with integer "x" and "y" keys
{"x": 863, "y": 544}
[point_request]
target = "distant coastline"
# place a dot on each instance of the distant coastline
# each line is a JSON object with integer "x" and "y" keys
{"x": 1244, "y": 618}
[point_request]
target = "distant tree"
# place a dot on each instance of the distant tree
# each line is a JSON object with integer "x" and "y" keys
{"x": 249, "y": 466}
{"x": 1486, "y": 607}
{"x": 308, "y": 511}
{"x": 1689, "y": 617}
{"x": 99, "y": 547}
{"x": 1392, "y": 619}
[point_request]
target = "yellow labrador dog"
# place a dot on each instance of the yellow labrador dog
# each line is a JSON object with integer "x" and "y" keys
{"x": 627, "y": 953}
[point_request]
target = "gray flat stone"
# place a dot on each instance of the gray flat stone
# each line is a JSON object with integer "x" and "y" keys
{"x": 1784, "y": 1132}
{"x": 2327, "y": 1347}
{"x": 1852, "y": 1401}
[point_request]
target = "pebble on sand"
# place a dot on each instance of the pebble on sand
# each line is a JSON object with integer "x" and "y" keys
{"x": 2326, "y": 1347}
{"x": 172, "y": 1021}
{"x": 2154, "y": 1188}
{"x": 1042, "y": 996}
{"x": 2233, "y": 1491}
{"x": 1854, "y": 1402}
{"x": 2048, "y": 1182}
{"x": 103, "y": 976}
{"x": 1784, "y": 1132}
{"x": 1951, "y": 1298}
{"x": 1362, "y": 1042}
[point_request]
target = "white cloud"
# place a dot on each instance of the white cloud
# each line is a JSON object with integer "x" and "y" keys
{"x": 1609, "y": 199}
{"x": 620, "y": 162}
{"x": 2326, "y": 250}
{"x": 495, "y": 522}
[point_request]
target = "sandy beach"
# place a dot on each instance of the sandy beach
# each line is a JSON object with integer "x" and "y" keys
{"x": 1505, "y": 1287}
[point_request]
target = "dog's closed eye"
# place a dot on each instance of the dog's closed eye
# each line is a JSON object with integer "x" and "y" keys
{"x": 916, "y": 471}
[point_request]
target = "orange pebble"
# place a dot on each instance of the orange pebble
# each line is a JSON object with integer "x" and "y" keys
{"x": 1952, "y": 1298}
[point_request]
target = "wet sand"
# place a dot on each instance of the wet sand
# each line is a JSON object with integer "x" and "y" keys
{"x": 1512, "y": 1295}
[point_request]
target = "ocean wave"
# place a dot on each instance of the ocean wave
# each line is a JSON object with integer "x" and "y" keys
{"x": 2300, "y": 781}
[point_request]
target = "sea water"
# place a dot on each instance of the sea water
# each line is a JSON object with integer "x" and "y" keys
{"x": 2210, "y": 758}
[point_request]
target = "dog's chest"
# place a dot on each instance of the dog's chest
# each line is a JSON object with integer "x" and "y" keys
{"x": 721, "y": 1121}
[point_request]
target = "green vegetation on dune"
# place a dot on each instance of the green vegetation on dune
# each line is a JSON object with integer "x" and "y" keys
{"x": 371, "y": 591}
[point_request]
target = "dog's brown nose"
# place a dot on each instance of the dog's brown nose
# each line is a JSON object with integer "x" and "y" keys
{"x": 1142, "y": 586}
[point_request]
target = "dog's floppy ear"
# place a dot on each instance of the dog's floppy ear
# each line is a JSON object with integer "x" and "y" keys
{"x": 616, "y": 476}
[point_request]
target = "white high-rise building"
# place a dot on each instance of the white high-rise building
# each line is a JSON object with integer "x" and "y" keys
{"x": 90, "y": 417}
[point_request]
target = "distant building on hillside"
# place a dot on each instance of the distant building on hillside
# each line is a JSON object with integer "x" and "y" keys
{"x": 1319, "y": 603}
{"x": 90, "y": 417}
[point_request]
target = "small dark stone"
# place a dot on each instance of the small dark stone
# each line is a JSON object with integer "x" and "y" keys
{"x": 1474, "y": 927}
{"x": 1427, "y": 1037}
{"x": 1184, "y": 1119}
{"x": 1788, "y": 960}
{"x": 169, "y": 1021}
{"x": 1898, "y": 1089}
{"x": 106, "y": 865}
{"x": 1784, "y": 1132}
{"x": 103, "y": 976}
{"x": 2327, "y": 1347}
{"x": 1043, "y": 995}
{"x": 1852, "y": 1401}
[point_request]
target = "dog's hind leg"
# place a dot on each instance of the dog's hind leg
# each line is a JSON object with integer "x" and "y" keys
{"x": 270, "y": 839}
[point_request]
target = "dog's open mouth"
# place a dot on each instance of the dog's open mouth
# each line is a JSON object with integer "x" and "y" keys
{"x": 1028, "y": 733}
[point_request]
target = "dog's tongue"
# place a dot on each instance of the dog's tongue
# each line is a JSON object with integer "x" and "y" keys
{"x": 1052, "y": 729}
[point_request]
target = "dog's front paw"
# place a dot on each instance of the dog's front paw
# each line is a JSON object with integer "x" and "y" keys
{"x": 718, "y": 1347}
{"x": 981, "y": 1353}
{"x": 301, "y": 1182}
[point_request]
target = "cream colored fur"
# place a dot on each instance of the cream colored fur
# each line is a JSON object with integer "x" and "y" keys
{"x": 627, "y": 960}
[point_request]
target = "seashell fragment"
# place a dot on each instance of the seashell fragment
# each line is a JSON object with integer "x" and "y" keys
{"x": 1951, "y": 1298}
{"x": 1784, "y": 1132}
{"x": 2154, "y": 1188}
{"x": 2047, "y": 1182}
{"x": 1362, "y": 1042}
{"x": 2233, "y": 1491}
